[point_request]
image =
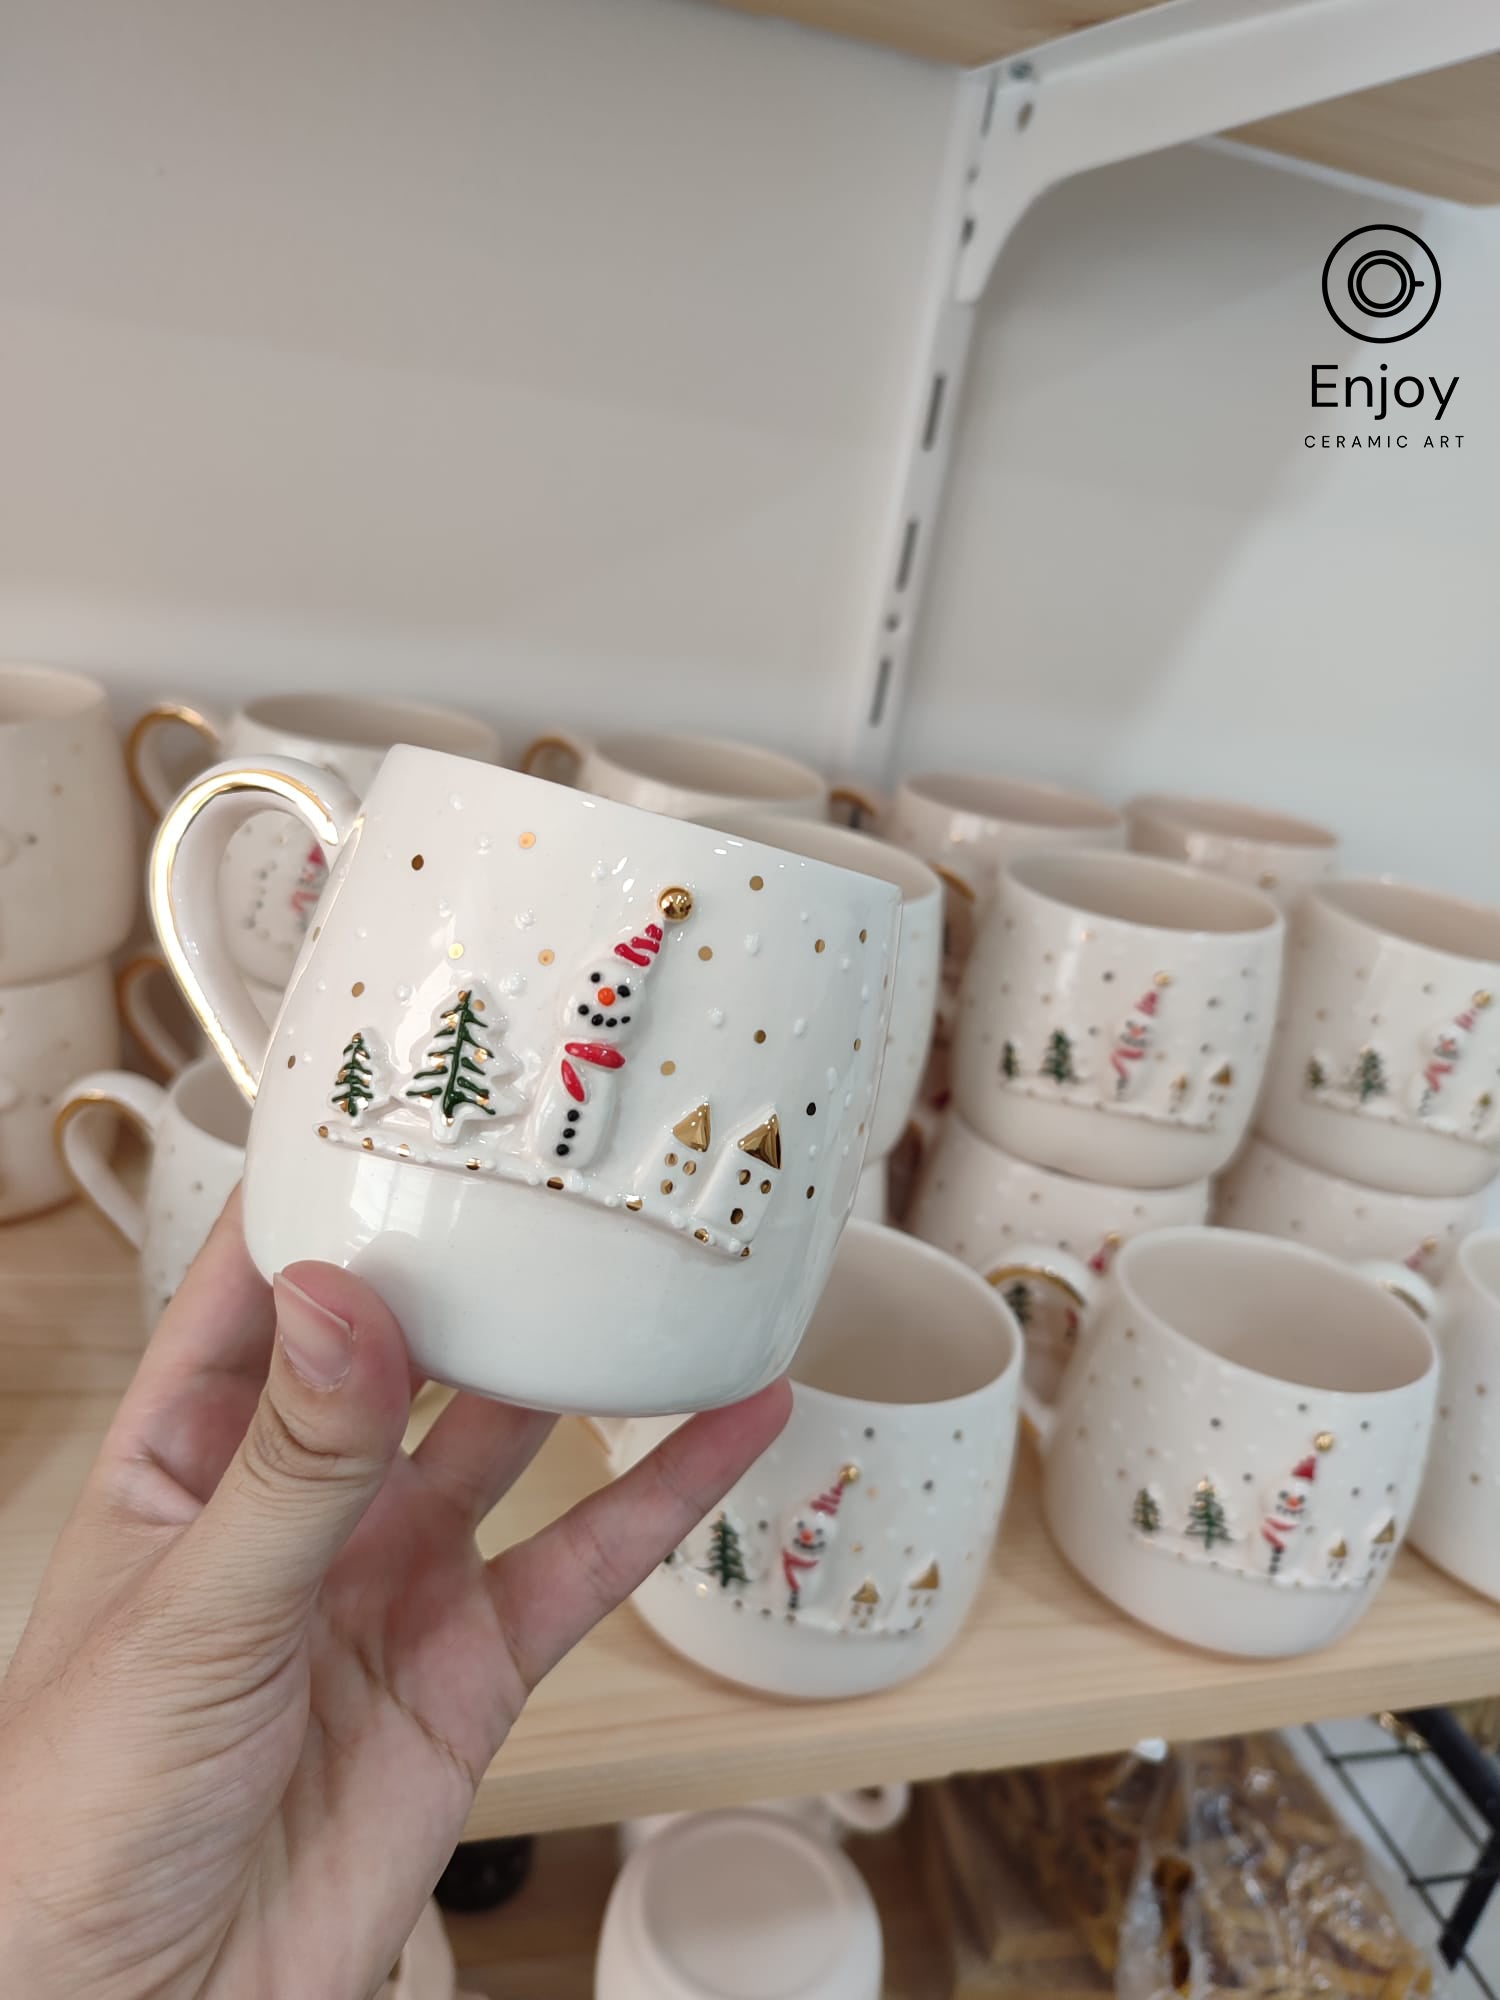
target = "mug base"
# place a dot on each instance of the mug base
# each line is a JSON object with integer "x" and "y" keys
{"x": 1378, "y": 1153}
{"x": 1097, "y": 1143}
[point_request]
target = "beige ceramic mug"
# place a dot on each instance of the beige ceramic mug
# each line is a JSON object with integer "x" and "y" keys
{"x": 1277, "y": 853}
{"x": 49, "y": 1031}
{"x": 1116, "y": 1015}
{"x": 1386, "y": 1068}
{"x": 690, "y": 777}
{"x": 1238, "y": 1446}
{"x": 273, "y": 874}
{"x": 68, "y": 862}
{"x": 1268, "y": 1191}
{"x": 196, "y": 1132}
{"x": 1006, "y": 1218}
{"x": 1459, "y": 1511}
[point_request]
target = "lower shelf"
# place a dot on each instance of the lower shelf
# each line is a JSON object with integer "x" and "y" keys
{"x": 1045, "y": 1669}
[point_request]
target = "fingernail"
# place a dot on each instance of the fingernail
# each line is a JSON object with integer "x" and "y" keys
{"x": 318, "y": 1344}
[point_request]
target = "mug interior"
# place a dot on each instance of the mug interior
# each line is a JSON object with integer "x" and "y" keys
{"x": 1418, "y": 916}
{"x": 1232, "y": 820}
{"x": 899, "y": 1322}
{"x": 839, "y": 845}
{"x": 1137, "y": 889}
{"x": 709, "y": 764}
{"x": 1016, "y": 800}
{"x": 209, "y": 1101}
{"x": 44, "y": 694}
{"x": 1276, "y": 1309}
{"x": 374, "y": 725}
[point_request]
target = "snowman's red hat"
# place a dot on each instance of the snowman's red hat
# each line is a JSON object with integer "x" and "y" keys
{"x": 1147, "y": 1004}
{"x": 641, "y": 950}
{"x": 1307, "y": 1470}
{"x": 828, "y": 1503}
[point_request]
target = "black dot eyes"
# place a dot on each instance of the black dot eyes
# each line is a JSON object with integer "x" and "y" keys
{"x": 583, "y": 1010}
{"x": 595, "y": 976}
{"x": 623, "y": 991}
{"x": 812, "y": 1110}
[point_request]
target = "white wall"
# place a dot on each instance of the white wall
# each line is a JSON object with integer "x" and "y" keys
{"x": 549, "y": 356}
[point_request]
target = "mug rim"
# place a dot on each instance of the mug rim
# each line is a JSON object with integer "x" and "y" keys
{"x": 1232, "y": 820}
{"x": 1349, "y": 899}
{"x": 897, "y": 865}
{"x": 1123, "y": 865}
{"x": 567, "y": 799}
{"x": 968, "y": 1279}
{"x": 963, "y": 791}
{"x": 298, "y": 715}
{"x": 1275, "y": 1248}
{"x": 630, "y": 752}
{"x": 84, "y": 693}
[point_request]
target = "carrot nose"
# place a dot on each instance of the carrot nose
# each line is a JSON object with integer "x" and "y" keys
{"x": 607, "y": 996}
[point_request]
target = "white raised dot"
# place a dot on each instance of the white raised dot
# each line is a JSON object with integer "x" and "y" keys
{"x": 403, "y": 992}
{"x": 444, "y": 908}
{"x": 525, "y": 919}
{"x": 799, "y": 1026}
{"x": 513, "y": 982}
{"x": 457, "y": 803}
{"x": 832, "y": 1075}
{"x": 485, "y": 842}
{"x": 598, "y": 871}
{"x": 716, "y": 1017}
{"x": 845, "y": 961}
{"x": 752, "y": 943}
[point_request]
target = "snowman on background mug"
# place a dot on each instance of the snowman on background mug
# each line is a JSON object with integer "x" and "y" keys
{"x": 808, "y": 1535}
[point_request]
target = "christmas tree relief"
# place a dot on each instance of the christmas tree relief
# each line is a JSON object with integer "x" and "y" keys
{"x": 1010, "y": 1062}
{"x": 1057, "y": 1061}
{"x": 1206, "y": 1521}
{"x": 726, "y": 1559}
{"x": 1368, "y": 1078}
{"x": 463, "y": 1074}
{"x": 1145, "y": 1512}
{"x": 354, "y": 1087}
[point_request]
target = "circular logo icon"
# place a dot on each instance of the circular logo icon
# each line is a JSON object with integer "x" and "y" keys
{"x": 1381, "y": 283}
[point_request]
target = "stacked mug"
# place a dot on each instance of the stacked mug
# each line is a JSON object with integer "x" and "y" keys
{"x": 67, "y": 898}
{"x": 1378, "y": 1137}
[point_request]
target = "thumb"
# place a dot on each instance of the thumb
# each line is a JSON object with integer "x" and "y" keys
{"x": 329, "y": 1423}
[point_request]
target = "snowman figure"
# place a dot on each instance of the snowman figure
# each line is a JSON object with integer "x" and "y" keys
{"x": 1133, "y": 1040}
{"x": 576, "y": 1105}
{"x": 1444, "y": 1056}
{"x": 1290, "y": 1515}
{"x": 808, "y": 1535}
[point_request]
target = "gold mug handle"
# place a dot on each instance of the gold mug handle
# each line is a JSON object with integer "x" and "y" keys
{"x": 1413, "y": 1290}
{"x": 83, "y": 1156}
{"x": 136, "y": 1009}
{"x": 182, "y": 887}
{"x": 148, "y": 776}
{"x": 541, "y": 747}
{"x": 1061, "y": 1272}
{"x": 862, "y": 806}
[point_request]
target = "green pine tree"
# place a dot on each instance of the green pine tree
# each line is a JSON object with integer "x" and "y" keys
{"x": 725, "y": 1560}
{"x": 353, "y": 1088}
{"x": 1316, "y": 1075}
{"x": 1146, "y": 1513}
{"x": 1058, "y": 1061}
{"x": 1010, "y": 1062}
{"x": 1206, "y": 1520}
{"x": 1369, "y": 1075}
{"x": 1018, "y": 1298}
{"x": 463, "y": 1068}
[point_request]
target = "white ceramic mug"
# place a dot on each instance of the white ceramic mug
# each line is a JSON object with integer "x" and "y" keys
{"x": 967, "y": 826}
{"x": 1239, "y": 1442}
{"x": 831, "y": 1816}
{"x": 68, "y": 879}
{"x": 1268, "y": 1191}
{"x": 1459, "y": 1512}
{"x": 872, "y": 1199}
{"x": 272, "y": 874}
{"x": 914, "y": 983}
{"x": 49, "y": 1030}
{"x": 582, "y": 1090}
{"x": 141, "y": 985}
{"x": 1277, "y": 853}
{"x": 690, "y": 777}
{"x": 196, "y": 1132}
{"x": 990, "y": 1209}
{"x": 849, "y": 1555}
{"x": 1387, "y": 1061}
{"x": 745, "y": 1903}
{"x": 1116, "y": 1015}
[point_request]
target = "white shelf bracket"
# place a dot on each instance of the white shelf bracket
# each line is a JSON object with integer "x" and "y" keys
{"x": 1171, "y": 73}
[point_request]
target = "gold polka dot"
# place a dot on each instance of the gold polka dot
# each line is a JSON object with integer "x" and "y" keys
{"x": 669, "y": 1069}
{"x": 811, "y": 1192}
{"x": 368, "y": 1144}
{"x": 555, "y": 1183}
{"x": 478, "y": 1006}
{"x": 671, "y": 1160}
{"x": 1324, "y": 1441}
{"x": 744, "y": 1176}
{"x": 417, "y": 861}
{"x": 690, "y": 1166}
{"x": 760, "y": 1034}
{"x": 357, "y": 988}
{"x": 864, "y": 937}
{"x": 633, "y": 1201}
{"x": 546, "y": 956}
{"x": 857, "y": 1044}
{"x": 472, "y": 1165}
{"x": 757, "y": 881}
{"x": 528, "y": 840}
{"x": 291, "y": 1062}
{"x": 701, "y": 1235}
{"x": 666, "y": 1187}
{"x": 820, "y": 944}
{"x": 765, "y": 1187}
{"x": 736, "y": 1215}
{"x": 705, "y": 951}
{"x": 455, "y": 951}
{"x": 746, "y": 1251}
{"x": 317, "y": 932}
{"x": 322, "y": 1131}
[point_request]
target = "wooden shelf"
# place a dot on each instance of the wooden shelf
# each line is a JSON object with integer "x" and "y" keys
{"x": 1438, "y": 133}
{"x": 1045, "y": 1670}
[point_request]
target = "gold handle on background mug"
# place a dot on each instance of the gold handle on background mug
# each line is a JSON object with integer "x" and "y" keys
{"x": 148, "y": 775}
{"x": 1061, "y": 1272}
{"x": 182, "y": 887}
{"x": 1403, "y": 1283}
{"x": 83, "y": 1157}
{"x": 134, "y": 1005}
{"x": 862, "y": 806}
{"x": 542, "y": 746}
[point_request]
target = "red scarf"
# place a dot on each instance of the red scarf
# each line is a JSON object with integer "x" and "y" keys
{"x": 601, "y": 1054}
